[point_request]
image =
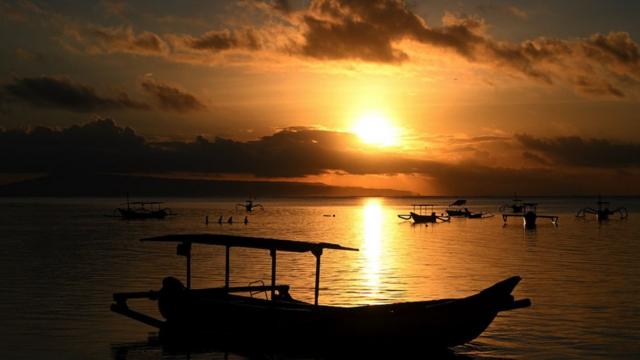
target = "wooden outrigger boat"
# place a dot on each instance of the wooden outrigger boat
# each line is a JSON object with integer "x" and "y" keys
{"x": 143, "y": 210}
{"x": 454, "y": 209}
{"x": 516, "y": 207}
{"x": 419, "y": 214}
{"x": 249, "y": 205}
{"x": 603, "y": 212}
{"x": 222, "y": 314}
{"x": 529, "y": 216}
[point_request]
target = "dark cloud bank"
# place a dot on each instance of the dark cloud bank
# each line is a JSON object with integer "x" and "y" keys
{"x": 104, "y": 147}
{"x": 170, "y": 97}
{"x": 64, "y": 93}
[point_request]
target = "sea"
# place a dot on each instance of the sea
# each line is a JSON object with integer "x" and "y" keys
{"x": 63, "y": 258}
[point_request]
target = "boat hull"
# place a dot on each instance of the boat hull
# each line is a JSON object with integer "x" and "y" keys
{"x": 193, "y": 318}
{"x": 421, "y": 219}
{"x": 130, "y": 214}
{"x": 455, "y": 212}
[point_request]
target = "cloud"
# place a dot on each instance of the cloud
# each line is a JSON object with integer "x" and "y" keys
{"x": 90, "y": 147}
{"x": 517, "y": 12}
{"x": 226, "y": 39}
{"x": 103, "y": 146}
{"x": 511, "y": 10}
{"x": 478, "y": 139}
{"x": 576, "y": 151}
{"x": 63, "y": 93}
{"x": 369, "y": 31}
{"x": 28, "y": 55}
{"x": 374, "y": 31}
{"x": 615, "y": 49}
{"x": 595, "y": 86}
{"x": 171, "y": 98}
{"x": 94, "y": 39}
{"x": 377, "y": 31}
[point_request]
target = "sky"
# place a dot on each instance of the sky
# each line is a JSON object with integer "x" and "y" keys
{"x": 434, "y": 97}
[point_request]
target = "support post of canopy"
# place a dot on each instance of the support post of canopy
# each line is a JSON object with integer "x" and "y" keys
{"x": 273, "y": 272}
{"x": 226, "y": 267}
{"x": 184, "y": 249}
{"x": 317, "y": 253}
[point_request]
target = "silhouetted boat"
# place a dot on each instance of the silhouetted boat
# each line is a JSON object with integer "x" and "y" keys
{"x": 603, "y": 211}
{"x": 215, "y": 314}
{"x": 139, "y": 210}
{"x": 515, "y": 207}
{"x": 419, "y": 216}
{"x": 455, "y": 209}
{"x": 476, "y": 215}
{"x": 249, "y": 205}
{"x": 529, "y": 215}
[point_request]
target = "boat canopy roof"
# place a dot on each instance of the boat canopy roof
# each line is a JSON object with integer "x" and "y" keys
{"x": 249, "y": 242}
{"x": 458, "y": 202}
{"x": 422, "y": 205}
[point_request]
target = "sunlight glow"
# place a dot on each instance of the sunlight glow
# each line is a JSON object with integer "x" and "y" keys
{"x": 375, "y": 128}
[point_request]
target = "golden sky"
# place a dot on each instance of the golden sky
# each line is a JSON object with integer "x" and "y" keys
{"x": 434, "y": 97}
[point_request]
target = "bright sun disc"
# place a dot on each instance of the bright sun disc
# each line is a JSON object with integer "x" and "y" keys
{"x": 373, "y": 128}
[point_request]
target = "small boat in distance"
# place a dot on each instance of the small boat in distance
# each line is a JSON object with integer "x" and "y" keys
{"x": 202, "y": 316}
{"x": 454, "y": 209}
{"x": 602, "y": 212}
{"x": 529, "y": 216}
{"x": 476, "y": 215}
{"x": 249, "y": 205}
{"x": 140, "y": 210}
{"x": 516, "y": 207}
{"x": 420, "y": 215}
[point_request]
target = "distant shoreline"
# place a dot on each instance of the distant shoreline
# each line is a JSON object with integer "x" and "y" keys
{"x": 118, "y": 186}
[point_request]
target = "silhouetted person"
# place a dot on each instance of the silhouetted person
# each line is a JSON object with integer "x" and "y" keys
{"x": 230, "y": 221}
{"x": 220, "y": 220}
{"x": 246, "y": 220}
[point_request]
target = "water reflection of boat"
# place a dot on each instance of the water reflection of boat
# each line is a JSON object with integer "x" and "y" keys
{"x": 153, "y": 348}
{"x": 138, "y": 210}
{"x": 420, "y": 215}
{"x": 213, "y": 314}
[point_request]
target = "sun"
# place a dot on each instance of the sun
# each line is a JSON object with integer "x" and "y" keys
{"x": 375, "y": 129}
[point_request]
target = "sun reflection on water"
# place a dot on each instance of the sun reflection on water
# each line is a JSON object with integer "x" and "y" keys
{"x": 372, "y": 223}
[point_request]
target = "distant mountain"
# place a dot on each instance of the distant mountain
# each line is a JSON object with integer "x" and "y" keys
{"x": 102, "y": 185}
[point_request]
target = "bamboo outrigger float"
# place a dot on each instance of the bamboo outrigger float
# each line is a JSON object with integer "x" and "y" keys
{"x": 221, "y": 314}
{"x": 529, "y": 216}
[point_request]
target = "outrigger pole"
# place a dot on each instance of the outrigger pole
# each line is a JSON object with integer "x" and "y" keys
{"x": 228, "y": 241}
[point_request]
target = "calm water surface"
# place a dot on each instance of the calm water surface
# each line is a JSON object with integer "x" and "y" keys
{"x": 62, "y": 259}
